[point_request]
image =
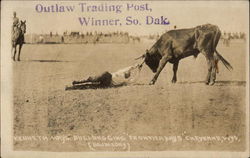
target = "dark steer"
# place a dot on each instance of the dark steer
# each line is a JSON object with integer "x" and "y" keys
{"x": 177, "y": 44}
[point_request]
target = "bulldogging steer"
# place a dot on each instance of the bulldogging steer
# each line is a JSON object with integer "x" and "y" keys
{"x": 177, "y": 44}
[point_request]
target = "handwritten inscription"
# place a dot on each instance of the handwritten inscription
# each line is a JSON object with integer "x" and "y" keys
{"x": 123, "y": 142}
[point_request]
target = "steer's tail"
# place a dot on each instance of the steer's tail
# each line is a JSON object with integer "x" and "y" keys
{"x": 224, "y": 61}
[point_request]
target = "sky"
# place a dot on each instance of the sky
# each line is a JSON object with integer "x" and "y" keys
{"x": 228, "y": 15}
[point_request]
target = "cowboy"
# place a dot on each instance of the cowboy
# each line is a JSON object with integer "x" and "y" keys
{"x": 15, "y": 22}
{"x": 107, "y": 79}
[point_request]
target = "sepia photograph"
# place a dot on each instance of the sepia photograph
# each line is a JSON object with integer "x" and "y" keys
{"x": 124, "y": 79}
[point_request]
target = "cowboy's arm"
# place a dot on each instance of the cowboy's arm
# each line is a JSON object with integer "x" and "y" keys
{"x": 134, "y": 67}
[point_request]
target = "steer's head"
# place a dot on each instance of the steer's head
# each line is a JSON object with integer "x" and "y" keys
{"x": 152, "y": 60}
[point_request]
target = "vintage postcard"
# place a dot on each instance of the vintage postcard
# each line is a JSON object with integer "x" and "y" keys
{"x": 124, "y": 79}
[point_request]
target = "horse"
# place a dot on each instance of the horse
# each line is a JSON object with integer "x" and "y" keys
{"x": 18, "y": 38}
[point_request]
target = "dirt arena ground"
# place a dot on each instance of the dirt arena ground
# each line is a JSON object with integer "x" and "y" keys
{"x": 42, "y": 107}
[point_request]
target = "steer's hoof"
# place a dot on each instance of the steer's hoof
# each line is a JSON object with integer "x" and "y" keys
{"x": 211, "y": 83}
{"x": 151, "y": 83}
{"x": 173, "y": 81}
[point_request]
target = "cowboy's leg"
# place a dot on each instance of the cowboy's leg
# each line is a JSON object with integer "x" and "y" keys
{"x": 89, "y": 79}
{"x": 97, "y": 78}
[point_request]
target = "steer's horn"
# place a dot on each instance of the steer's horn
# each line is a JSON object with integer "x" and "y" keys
{"x": 140, "y": 57}
{"x": 140, "y": 66}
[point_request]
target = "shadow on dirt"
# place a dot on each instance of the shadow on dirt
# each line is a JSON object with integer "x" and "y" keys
{"x": 88, "y": 86}
{"x": 218, "y": 83}
{"x": 231, "y": 83}
{"x": 47, "y": 61}
{"x": 97, "y": 86}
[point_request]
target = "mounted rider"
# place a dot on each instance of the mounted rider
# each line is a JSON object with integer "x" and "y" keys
{"x": 17, "y": 35}
{"x": 15, "y": 19}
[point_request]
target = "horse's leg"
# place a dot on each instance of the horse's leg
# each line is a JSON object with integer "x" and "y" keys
{"x": 19, "y": 52}
{"x": 14, "y": 55}
{"x": 175, "y": 68}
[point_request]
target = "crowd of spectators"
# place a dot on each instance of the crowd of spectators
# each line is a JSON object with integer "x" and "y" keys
{"x": 79, "y": 37}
